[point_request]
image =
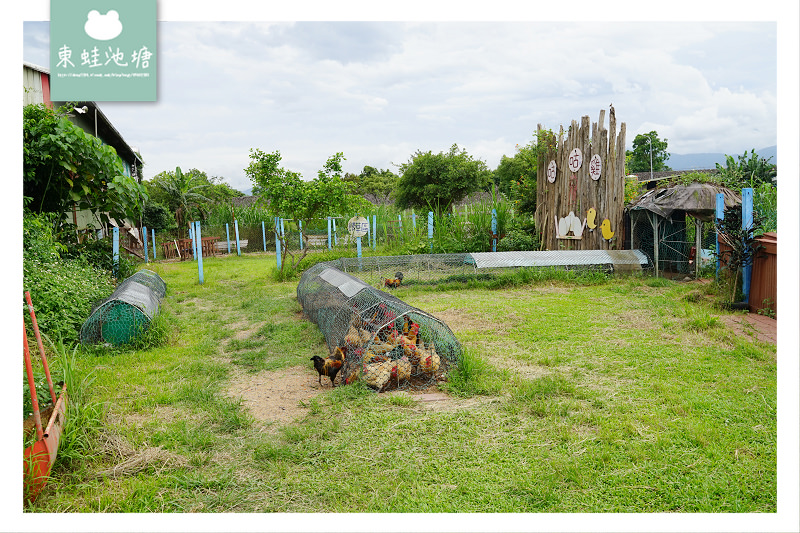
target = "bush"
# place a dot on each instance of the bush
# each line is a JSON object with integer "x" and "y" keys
{"x": 63, "y": 290}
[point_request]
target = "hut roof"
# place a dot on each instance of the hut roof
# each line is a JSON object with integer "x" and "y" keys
{"x": 697, "y": 199}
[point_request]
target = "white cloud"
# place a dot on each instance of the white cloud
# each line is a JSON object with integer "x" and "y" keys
{"x": 380, "y": 91}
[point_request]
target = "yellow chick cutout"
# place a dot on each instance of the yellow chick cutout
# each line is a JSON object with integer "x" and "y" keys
{"x": 605, "y": 227}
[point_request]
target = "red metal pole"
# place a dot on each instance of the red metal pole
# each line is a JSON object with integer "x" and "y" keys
{"x": 32, "y": 385}
{"x": 41, "y": 347}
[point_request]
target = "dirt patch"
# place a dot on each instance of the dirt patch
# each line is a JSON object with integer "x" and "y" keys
{"x": 276, "y": 396}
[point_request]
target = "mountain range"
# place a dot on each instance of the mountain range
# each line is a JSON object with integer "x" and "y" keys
{"x": 708, "y": 161}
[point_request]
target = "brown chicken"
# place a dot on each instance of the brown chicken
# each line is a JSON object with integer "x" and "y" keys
{"x": 327, "y": 367}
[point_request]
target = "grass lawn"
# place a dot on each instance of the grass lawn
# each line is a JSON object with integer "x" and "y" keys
{"x": 596, "y": 395}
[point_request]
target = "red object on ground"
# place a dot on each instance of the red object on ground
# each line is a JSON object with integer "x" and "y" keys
{"x": 38, "y": 458}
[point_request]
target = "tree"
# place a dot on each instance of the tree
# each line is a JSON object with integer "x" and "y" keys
{"x": 64, "y": 167}
{"x": 638, "y": 159}
{"x": 439, "y": 180}
{"x": 516, "y": 177}
{"x": 288, "y": 196}
{"x": 183, "y": 194}
{"x": 378, "y": 183}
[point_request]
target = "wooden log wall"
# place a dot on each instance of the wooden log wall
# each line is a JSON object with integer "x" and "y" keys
{"x": 577, "y": 192}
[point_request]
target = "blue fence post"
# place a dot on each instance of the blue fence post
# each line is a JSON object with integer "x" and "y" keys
{"x": 277, "y": 244}
{"x": 228, "y": 236}
{"x": 144, "y": 241}
{"x": 335, "y": 236}
{"x": 300, "y": 229}
{"x": 358, "y": 248}
{"x": 494, "y": 230}
{"x": 115, "y": 249}
{"x": 263, "y": 235}
{"x": 236, "y": 230}
{"x": 199, "y": 240}
{"x": 153, "y": 231}
{"x": 374, "y": 231}
{"x": 329, "y": 233}
{"x": 430, "y": 229}
{"x": 413, "y": 220}
{"x": 747, "y": 225}
{"x": 720, "y": 215}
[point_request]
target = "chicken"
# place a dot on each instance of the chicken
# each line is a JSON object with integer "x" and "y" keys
{"x": 395, "y": 282}
{"x": 327, "y": 367}
{"x": 353, "y": 338}
{"x": 377, "y": 375}
{"x": 429, "y": 360}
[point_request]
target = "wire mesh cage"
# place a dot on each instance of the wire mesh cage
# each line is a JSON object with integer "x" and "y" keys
{"x": 128, "y": 312}
{"x": 374, "y": 336}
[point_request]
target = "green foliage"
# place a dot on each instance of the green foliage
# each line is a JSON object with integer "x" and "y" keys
{"x": 157, "y": 216}
{"x": 382, "y": 184}
{"x": 64, "y": 166}
{"x": 516, "y": 177}
{"x": 184, "y": 194}
{"x": 521, "y": 236}
{"x": 289, "y": 196}
{"x": 645, "y": 145}
{"x": 440, "y": 180}
{"x": 765, "y": 203}
{"x": 746, "y": 171}
{"x": 63, "y": 289}
{"x": 741, "y": 245}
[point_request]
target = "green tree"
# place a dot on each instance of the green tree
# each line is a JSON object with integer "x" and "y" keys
{"x": 516, "y": 177}
{"x": 289, "y": 196}
{"x": 439, "y": 180}
{"x": 64, "y": 167}
{"x": 183, "y": 194}
{"x": 379, "y": 183}
{"x": 638, "y": 159}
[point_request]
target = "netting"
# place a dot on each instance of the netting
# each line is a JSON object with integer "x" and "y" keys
{"x": 442, "y": 268}
{"x": 127, "y": 313}
{"x": 379, "y": 339}
{"x": 676, "y": 240}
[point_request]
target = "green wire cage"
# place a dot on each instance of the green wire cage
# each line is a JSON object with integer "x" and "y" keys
{"x": 127, "y": 313}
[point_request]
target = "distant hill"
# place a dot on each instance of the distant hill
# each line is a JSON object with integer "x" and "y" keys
{"x": 709, "y": 160}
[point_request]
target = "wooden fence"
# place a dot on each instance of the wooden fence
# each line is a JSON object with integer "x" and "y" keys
{"x": 580, "y": 190}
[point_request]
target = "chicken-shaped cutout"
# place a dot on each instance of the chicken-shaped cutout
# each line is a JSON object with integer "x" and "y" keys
{"x": 605, "y": 227}
{"x": 591, "y": 214}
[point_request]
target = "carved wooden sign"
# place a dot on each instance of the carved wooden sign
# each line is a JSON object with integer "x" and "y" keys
{"x": 575, "y": 159}
{"x": 551, "y": 171}
{"x": 595, "y": 167}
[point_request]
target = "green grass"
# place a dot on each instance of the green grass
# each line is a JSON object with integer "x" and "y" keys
{"x": 575, "y": 394}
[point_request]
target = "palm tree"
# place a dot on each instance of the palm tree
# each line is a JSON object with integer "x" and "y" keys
{"x": 185, "y": 196}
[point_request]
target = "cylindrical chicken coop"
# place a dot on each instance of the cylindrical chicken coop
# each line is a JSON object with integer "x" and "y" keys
{"x": 383, "y": 341}
{"x": 127, "y": 313}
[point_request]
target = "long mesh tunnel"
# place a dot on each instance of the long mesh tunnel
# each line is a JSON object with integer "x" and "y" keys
{"x": 384, "y": 341}
{"x": 127, "y": 313}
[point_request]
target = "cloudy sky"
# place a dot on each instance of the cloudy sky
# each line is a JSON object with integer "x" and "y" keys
{"x": 379, "y": 91}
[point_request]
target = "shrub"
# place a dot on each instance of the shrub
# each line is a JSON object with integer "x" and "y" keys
{"x": 62, "y": 289}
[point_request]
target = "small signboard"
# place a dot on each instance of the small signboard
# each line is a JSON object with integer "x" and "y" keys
{"x": 358, "y": 226}
{"x": 575, "y": 160}
{"x": 595, "y": 167}
{"x": 551, "y": 171}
